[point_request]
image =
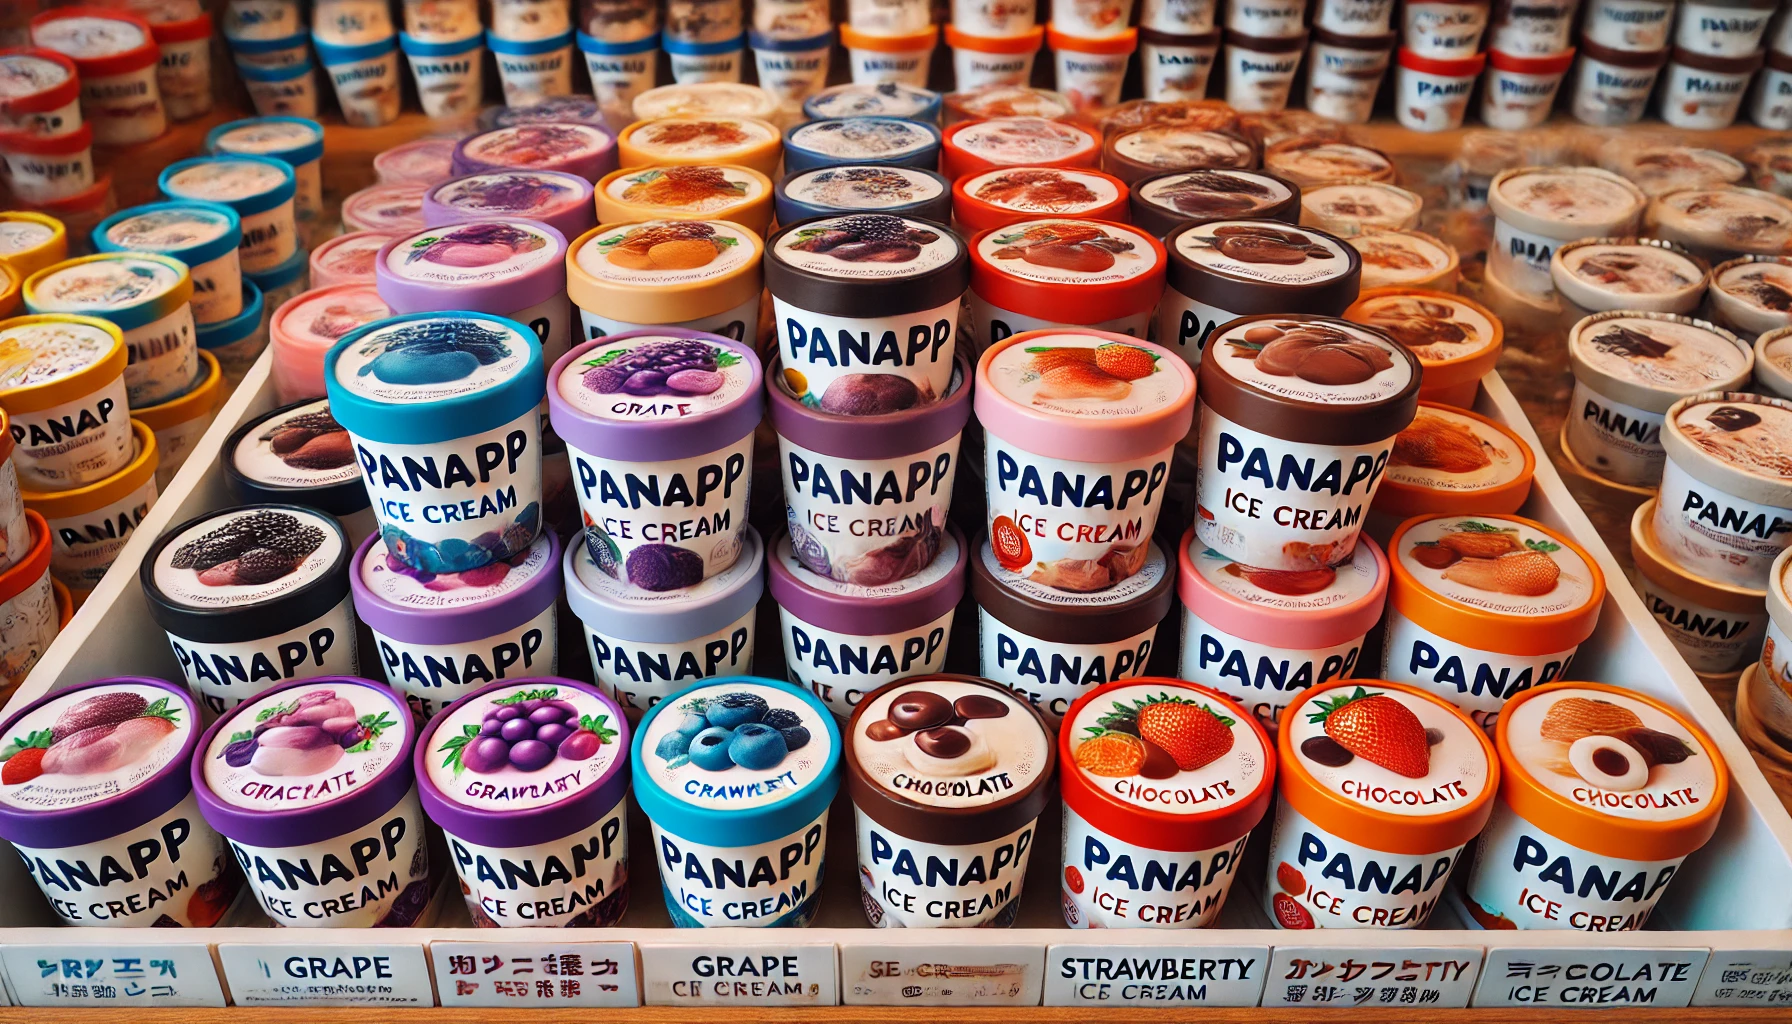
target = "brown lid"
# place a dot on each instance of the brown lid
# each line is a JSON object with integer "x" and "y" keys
{"x": 1151, "y": 35}
{"x": 1723, "y": 65}
{"x": 948, "y": 759}
{"x": 1123, "y": 610}
{"x": 1248, "y": 266}
{"x": 1310, "y": 379}
{"x": 1164, "y": 202}
{"x": 1779, "y": 61}
{"x": 1266, "y": 44}
{"x": 1644, "y": 59}
{"x": 1141, "y": 152}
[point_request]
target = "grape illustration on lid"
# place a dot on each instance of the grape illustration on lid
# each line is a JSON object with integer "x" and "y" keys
{"x": 560, "y": 200}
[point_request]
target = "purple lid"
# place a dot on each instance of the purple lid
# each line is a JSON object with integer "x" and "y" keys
{"x": 357, "y": 768}
{"x": 858, "y": 610}
{"x": 582, "y": 149}
{"x": 890, "y": 435}
{"x": 620, "y": 396}
{"x": 84, "y": 792}
{"x": 560, "y": 772}
{"x": 417, "y": 607}
{"x": 496, "y": 266}
{"x": 561, "y": 201}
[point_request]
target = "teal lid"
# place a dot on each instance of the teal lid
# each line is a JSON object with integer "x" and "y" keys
{"x": 192, "y": 231}
{"x": 230, "y": 331}
{"x": 296, "y": 140}
{"x": 247, "y": 184}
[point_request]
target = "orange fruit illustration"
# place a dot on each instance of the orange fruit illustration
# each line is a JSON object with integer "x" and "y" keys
{"x": 1009, "y": 544}
{"x": 1112, "y": 755}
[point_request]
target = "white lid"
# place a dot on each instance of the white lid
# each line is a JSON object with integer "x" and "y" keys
{"x": 302, "y": 447}
{"x": 397, "y": 583}
{"x": 32, "y": 353}
{"x": 1005, "y": 749}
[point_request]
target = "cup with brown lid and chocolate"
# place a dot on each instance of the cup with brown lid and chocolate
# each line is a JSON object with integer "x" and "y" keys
{"x": 1725, "y": 507}
{"x": 948, "y": 775}
{"x": 1140, "y": 152}
{"x": 1164, "y": 202}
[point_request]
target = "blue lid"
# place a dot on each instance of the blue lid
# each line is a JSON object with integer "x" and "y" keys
{"x": 760, "y": 41}
{"x": 414, "y": 47}
{"x": 296, "y": 140}
{"x": 267, "y": 45}
{"x": 156, "y": 227}
{"x": 686, "y": 48}
{"x": 863, "y": 188}
{"x": 271, "y": 196}
{"x": 869, "y": 99}
{"x": 282, "y": 275}
{"x": 255, "y": 73}
{"x": 728, "y": 804}
{"x": 330, "y": 53}
{"x": 238, "y": 327}
{"x": 526, "y": 47}
{"x": 481, "y": 371}
{"x": 861, "y": 140}
{"x": 592, "y": 44}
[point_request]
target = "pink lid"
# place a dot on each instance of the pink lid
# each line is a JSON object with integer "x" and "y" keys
{"x": 423, "y": 161}
{"x": 1313, "y": 608}
{"x": 389, "y": 208}
{"x": 308, "y": 324}
{"x": 347, "y": 259}
{"x": 1084, "y": 395}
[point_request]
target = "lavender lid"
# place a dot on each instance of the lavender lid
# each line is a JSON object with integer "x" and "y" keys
{"x": 891, "y": 435}
{"x": 659, "y": 420}
{"x": 497, "y": 265}
{"x": 616, "y": 608}
{"x": 858, "y": 610}
{"x": 503, "y": 804}
{"x": 417, "y": 607}
{"x": 277, "y": 800}
{"x": 32, "y": 815}
{"x": 561, "y": 201}
{"x": 582, "y": 149}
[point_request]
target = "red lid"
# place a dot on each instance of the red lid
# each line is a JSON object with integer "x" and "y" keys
{"x": 188, "y": 31}
{"x": 113, "y": 63}
{"x": 55, "y": 97}
{"x": 1008, "y": 195}
{"x": 1121, "y": 272}
{"x": 981, "y": 145}
{"x": 66, "y": 144}
{"x": 1125, "y": 42}
{"x": 1464, "y": 67}
{"x": 1552, "y": 64}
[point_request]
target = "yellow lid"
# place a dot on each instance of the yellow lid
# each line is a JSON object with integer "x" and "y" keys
{"x": 54, "y": 505}
{"x": 687, "y": 192}
{"x": 10, "y": 280}
{"x": 664, "y": 271}
{"x": 199, "y": 401}
{"x": 29, "y": 242}
{"x": 719, "y": 139}
{"x": 80, "y": 356}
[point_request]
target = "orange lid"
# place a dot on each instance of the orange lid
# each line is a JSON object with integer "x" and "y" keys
{"x": 1455, "y": 461}
{"x": 907, "y": 42}
{"x": 1610, "y": 771}
{"x": 1120, "y": 274}
{"x": 1495, "y": 583}
{"x": 1457, "y": 339}
{"x": 1026, "y": 42}
{"x": 1125, "y": 42}
{"x": 1358, "y": 758}
{"x": 28, "y": 570}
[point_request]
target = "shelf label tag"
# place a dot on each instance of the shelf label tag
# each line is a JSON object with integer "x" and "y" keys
{"x": 1746, "y": 977}
{"x": 1089, "y": 974}
{"x": 326, "y": 974}
{"x": 536, "y": 974}
{"x": 949, "y": 972}
{"x": 1585, "y": 978}
{"x": 1371, "y": 975}
{"x": 141, "y": 974}
{"x": 740, "y": 973}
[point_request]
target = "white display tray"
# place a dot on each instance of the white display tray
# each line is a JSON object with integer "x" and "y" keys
{"x": 1718, "y": 938}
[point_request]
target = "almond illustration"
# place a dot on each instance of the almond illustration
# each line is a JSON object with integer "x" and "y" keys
{"x": 1433, "y": 442}
{"x": 1521, "y": 574}
{"x": 1572, "y": 718}
{"x": 1081, "y": 380}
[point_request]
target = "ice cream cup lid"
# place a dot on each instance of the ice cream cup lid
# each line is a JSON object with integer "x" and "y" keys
{"x": 1395, "y": 791}
{"x": 686, "y": 192}
{"x": 78, "y": 501}
{"x": 425, "y": 160}
{"x": 231, "y": 330}
{"x": 1006, "y": 101}
{"x": 1517, "y": 587}
{"x": 296, "y": 140}
{"x": 612, "y": 269}
{"x": 1122, "y": 611}
{"x": 1735, "y": 442}
{"x": 863, "y": 188}
{"x": 123, "y": 47}
{"x": 1135, "y": 153}
{"x": 1120, "y": 42}
{"x": 78, "y": 140}
{"x": 131, "y": 289}
{"x": 704, "y": 99}
{"x": 978, "y": 145}
{"x": 734, "y": 805}
{"x": 972, "y": 783}
{"x": 399, "y": 402}
{"x": 1134, "y": 407}
{"x": 1566, "y": 203}
{"x": 490, "y": 265}
{"x": 130, "y": 782}
{"x": 902, "y": 42}
{"x": 435, "y": 609}
{"x": 193, "y": 574}
{"x": 595, "y": 409}
{"x": 1220, "y": 796}
{"x": 1654, "y": 564}
{"x": 1243, "y": 267}
{"x": 1457, "y": 340}
{"x": 1354, "y": 206}
{"x": 891, "y": 435}
{"x": 891, "y": 99}
{"x": 1025, "y": 42}
{"x": 31, "y": 241}
{"x": 283, "y": 73}
{"x": 858, "y": 610}
{"x": 1455, "y": 461}
{"x": 694, "y": 48}
{"x": 1559, "y": 745}
{"x": 1745, "y": 294}
{"x": 191, "y": 404}
{"x": 28, "y": 570}
{"x": 1405, "y": 257}
{"x": 1773, "y": 361}
{"x": 289, "y": 796}
{"x": 614, "y": 607}
{"x": 496, "y": 802}
{"x": 297, "y": 454}
{"x": 527, "y": 47}
{"x": 1443, "y": 67}
{"x": 1747, "y": 64}
{"x": 586, "y": 150}
{"x": 1652, "y": 274}
{"x": 414, "y": 47}
{"x": 246, "y": 183}
{"x": 79, "y": 355}
{"x": 1365, "y": 389}
{"x": 189, "y": 230}
{"x": 392, "y": 209}
{"x": 56, "y": 86}
{"x": 1164, "y": 202}
{"x": 861, "y": 139}
{"x": 1647, "y": 60}
{"x": 1005, "y": 195}
{"x": 316, "y": 320}
{"x": 592, "y": 44}
{"x": 335, "y": 54}
{"x": 1329, "y": 606}
{"x": 559, "y": 109}
{"x": 865, "y": 283}
{"x": 552, "y": 197}
{"x": 1652, "y": 360}
{"x": 1122, "y": 275}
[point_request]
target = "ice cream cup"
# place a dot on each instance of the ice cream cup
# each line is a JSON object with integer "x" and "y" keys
{"x": 15, "y": 527}
{"x": 366, "y": 79}
{"x": 620, "y": 71}
{"x": 29, "y": 242}
{"x": 43, "y": 168}
{"x": 1622, "y": 392}
{"x": 1596, "y": 782}
{"x": 1135, "y": 153}
{"x": 1141, "y": 818}
{"x": 704, "y": 21}
{"x": 116, "y": 806}
{"x": 686, "y": 192}
{"x": 1050, "y": 646}
{"x": 1443, "y": 30}
{"x": 1725, "y": 510}
{"x": 1407, "y": 259}
{"x": 1767, "y": 685}
{"x": 904, "y": 58}
{"x": 534, "y": 69}
{"x": 281, "y": 283}
{"x": 705, "y": 99}
{"x": 889, "y": 17}
{"x": 1434, "y": 91}
{"x": 873, "y": 99}
{"x": 1521, "y": 91}
{"x": 184, "y": 76}
{"x": 1487, "y": 469}
{"x": 1773, "y": 355}
{"x": 792, "y": 19}
{"x": 385, "y": 209}
{"x": 350, "y": 22}
{"x": 718, "y": 820}
{"x": 1723, "y": 28}
{"x": 450, "y": 74}
{"x": 237, "y": 342}
{"x": 1162, "y": 203}
{"x": 259, "y": 188}
{"x": 1266, "y": 19}
{"x": 861, "y": 140}
{"x": 1536, "y": 209}
{"x": 1469, "y": 617}
{"x": 1702, "y": 92}
{"x": 11, "y": 291}
{"x": 299, "y": 455}
{"x": 274, "y": 53}
{"x": 1715, "y": 626}
{"x": 1090, "y": 69}
{"x": 1772, "y": 104}
{"x": 424, "y": 161}
{"x": 1602, "y": 275}
{"x": 340, "y": 843}
{"x": 507, "y": 266}
{"x": 693, "y": 62}
{"x": 1533, "y": 30}
{"x": 1260, "y": 72}
{"x": 979, "y": 61}
{"x": 617, "y": 20}
{"x": 863, "y": 188}
{"x": 619, "y": 286}
{"x": 179, "y": 422}
{"x": 146, "y": 297}
{"x": 585, "y": 150}
{"x": 235, "y": 638}
{"x": 1344, "y": 74}
{"x": 90, "y": 524}
{"x": 537, "y": 826}
{"x": 927, "y": 792}
{"x": 449, "y": 441}
{"x": 554, "y": 109}
{"x": 115, "y": 56}
{"x": 262, "y": 19}
{"x": 1457, "y": 340}
{"x": 560, "y": 200}
{"x": 995, "y": 142}
{"x": 1010, "y": 195}
{"x": 1112, "y": 283}
{"x": 1368, "y": 840}
{"x": 204, "y": 236}
{"x": 304, "y": 329}
{"x": 662, "y": 485}
{"x": 722, "y": 139}
{"x": 530, "y": 19}
{"x": 792, "y": 69}
{"x": 1176, "y": 67}
{"x": 27, "y": 598}
{"x": 290, "y": 90}
{"x": 1745, "y": 296}
{"x": 81, "y": 211}
{"x": 44, "y": 92}
{"x": 1723, "y": 221}
{"x": 1310, "y": 161}
{"x": 65, "y": 399}
{"x": 1640, "y": 26}
{"x": 1181, "y": 17}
